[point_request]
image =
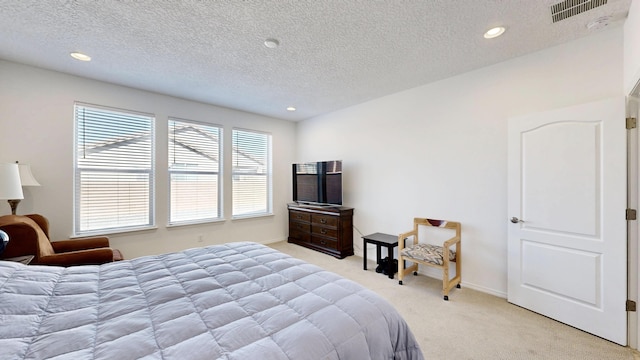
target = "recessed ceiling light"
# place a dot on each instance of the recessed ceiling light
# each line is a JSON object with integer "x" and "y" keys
{"x": 271, "y": 43}
{"x": 80, "y": 56}
{"x": 494, "y": 32}
{"x": 291, "y": 108}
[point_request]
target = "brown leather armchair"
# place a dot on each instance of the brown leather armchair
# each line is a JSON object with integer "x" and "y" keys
{"x": 29, "y": 235}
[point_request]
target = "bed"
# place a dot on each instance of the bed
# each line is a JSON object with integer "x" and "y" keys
{"x": 233, "y": 301}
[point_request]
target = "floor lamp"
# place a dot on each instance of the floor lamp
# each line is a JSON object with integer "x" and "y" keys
{"x": 10, "y": 185}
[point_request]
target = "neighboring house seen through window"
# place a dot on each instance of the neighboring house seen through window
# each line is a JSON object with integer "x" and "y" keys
{"x": 194, "y": 171}
{"x": 252, "y": 190}
{"x": 114, "y": 170}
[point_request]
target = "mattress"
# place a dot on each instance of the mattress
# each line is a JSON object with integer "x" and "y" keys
{"x": 232, "y": 301}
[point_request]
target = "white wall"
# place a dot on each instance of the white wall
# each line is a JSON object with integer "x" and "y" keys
{"x": 36, "y": 127}
{"x": 440, "y": 150}
{"x": 632, "y": 48}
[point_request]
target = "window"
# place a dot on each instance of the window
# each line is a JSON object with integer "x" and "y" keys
{"x": 114, "y": 161}
{"x": 194, "y": 171}
{"x": 251, "y": 173}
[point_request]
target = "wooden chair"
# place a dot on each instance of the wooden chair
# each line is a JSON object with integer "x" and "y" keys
{"x": 431, "y": 254}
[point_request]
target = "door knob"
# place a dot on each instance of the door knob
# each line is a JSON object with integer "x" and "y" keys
{"x": 515, "y": 220}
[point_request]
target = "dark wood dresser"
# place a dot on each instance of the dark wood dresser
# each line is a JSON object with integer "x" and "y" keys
{"x": 325, "y": 229}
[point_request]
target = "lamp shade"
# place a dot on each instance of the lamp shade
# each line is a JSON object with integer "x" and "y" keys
{"x": 26, "y": 177}
{"x": 10, "y": 186}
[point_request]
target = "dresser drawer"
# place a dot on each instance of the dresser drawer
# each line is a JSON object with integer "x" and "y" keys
{"x": 299, "y": 226}
{"x": 299, "y": 216}
{"x": 326, "y": 220}
{"x": 299, "y": 235}
{"x": 324, "y": 231}
{"x": 324, "y": 242}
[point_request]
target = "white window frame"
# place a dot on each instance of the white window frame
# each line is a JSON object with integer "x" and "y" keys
{"x": 195, "y": 173}
{"x": 119, "y": 169}
{"x": 239, "y": 171}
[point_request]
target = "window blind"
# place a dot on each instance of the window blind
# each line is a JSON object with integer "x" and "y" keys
{"x": 114, "y": 179}
{"x": 194, "y": 171}
{"x": 252, "y": 190}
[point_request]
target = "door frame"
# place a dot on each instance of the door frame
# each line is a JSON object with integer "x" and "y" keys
{"x": 633, "y": 227}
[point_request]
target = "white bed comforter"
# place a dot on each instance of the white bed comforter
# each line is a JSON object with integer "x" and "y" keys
{"x": 232, "y": 301}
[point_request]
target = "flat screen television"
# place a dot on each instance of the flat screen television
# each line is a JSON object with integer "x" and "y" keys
{"x": 318, "y": 183}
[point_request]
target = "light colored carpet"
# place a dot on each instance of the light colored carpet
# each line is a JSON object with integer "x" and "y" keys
{"x": 472, "y": 324}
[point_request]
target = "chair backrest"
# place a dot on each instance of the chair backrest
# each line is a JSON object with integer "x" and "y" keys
{"x": 436, "y": 223}
{"x": 42, "y": 221}
{"x": 446, "y": 224}
{"x": 26, "y": 237}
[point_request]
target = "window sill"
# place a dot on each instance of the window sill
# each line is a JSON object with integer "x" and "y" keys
{"x": 112, "y": 232}
{"x": 195, "y": 222}
{"x": 251, "y": 216}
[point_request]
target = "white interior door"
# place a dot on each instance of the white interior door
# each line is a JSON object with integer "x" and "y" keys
{"x": 567, "y": 250}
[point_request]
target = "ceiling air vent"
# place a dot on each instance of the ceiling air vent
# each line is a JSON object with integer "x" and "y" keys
{"x": 569, "y": 8}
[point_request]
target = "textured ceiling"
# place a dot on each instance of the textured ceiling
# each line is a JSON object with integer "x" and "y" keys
{"x": 332, "y": 53}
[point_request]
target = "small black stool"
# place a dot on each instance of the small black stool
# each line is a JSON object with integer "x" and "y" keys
{"x": 380, "y": 239}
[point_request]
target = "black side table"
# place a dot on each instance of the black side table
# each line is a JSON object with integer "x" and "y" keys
{"x": 380, "y": 239}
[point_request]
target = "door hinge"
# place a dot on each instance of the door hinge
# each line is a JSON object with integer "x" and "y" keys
{"x": 631, "y": 214}
{"x": 631, "y": 123}
{"x": 631, "y": 305}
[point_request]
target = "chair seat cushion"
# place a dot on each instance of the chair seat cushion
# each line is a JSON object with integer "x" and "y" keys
{"x": 427, "y": 253}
